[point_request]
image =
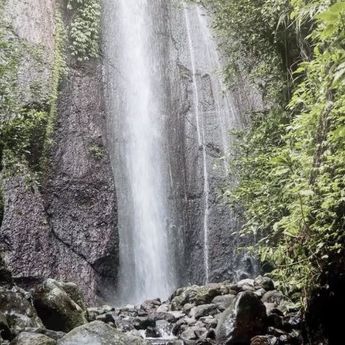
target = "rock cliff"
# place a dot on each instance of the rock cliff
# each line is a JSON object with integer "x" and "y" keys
{"x": 65, "y": 227}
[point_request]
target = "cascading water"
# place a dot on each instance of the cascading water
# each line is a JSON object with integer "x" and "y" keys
{"x": 145, "y": 271}
{"x": 201, "y": 142}
{"x": 168, "y": 119}
{"x": 215, "y": 117}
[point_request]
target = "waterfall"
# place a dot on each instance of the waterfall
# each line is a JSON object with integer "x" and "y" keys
{"x": 145, "y": 270}
{"x": 215, "y": 116}
{"x": 168, "y": 121}
{"x": 201, "y": 142}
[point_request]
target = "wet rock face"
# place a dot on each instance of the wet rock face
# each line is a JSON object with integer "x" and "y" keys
{"x": 185, "y": 150}
{"x": 80, "y": 194}
{"x": 67, "y": 229}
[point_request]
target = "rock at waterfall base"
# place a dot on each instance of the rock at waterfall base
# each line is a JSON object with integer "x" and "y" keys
{"x": 98, "y": 333}
{"x": 241, "y": 322}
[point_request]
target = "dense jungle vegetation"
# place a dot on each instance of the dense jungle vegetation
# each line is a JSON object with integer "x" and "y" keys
{"x": 291, "y": 163}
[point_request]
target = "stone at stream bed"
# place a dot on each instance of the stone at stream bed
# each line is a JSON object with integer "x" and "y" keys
{"x": 264, "y": 282}
{"x": 273, "y": 296}
{"x": 59, "y": 305}
{"x": 26, "y": 338}
{"x": 164, "y": 316}
{"x": 99, "y": 333}
{"x": 4, "y": 327}
{"x": 144, "y": 322}
{"x": 152, "y": 332}
{"x": 18, "y": 311}
{"x": 203, "y": 310}
{"x": 264, "y": 340}
{"x": 224, "y": 301}
{"x": 196, "y": 294}
{"x": 243, "y": 321}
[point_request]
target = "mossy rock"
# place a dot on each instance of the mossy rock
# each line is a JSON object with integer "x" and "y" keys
{"x": 196, "y": 295}
{"x": 60, "y": 305}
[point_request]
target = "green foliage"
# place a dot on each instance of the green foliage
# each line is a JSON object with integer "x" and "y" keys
{"x": 85, "y": 28}
{"x": 291, "y": 163}
{"x": 59, "y": 70}
{"x": 23, "y": 135}
{"x": 97, "y": 151}
{"x": 254, "y": 36}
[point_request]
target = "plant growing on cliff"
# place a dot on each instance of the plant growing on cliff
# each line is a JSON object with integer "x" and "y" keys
{"x": 26, "y": 127}
{"x": 85, "y": 28}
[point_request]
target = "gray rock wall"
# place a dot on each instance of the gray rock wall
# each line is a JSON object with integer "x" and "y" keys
{"x": 219, "y": 113}
{"x": 66, "y": 228}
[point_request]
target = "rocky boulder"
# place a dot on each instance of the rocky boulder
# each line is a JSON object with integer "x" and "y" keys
{"x": 196, "y": 294}
{"x": 243, "y": 321}
{"x": 59, "y": 305}
{"x": 5, "y": 331}
{"x": 5, "y": 274}
{"x": 26, "y": 338}
{"x": 224, "y": 301}
{"x": 99, "y": 333}
{"x": 204, "y": 310}
{"x": 17, "y": 312}
{"x": 264, "y": 340}
{"x": 264, "y": 282}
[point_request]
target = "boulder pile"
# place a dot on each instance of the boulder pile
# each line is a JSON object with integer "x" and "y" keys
{"x": 250, "y": 312}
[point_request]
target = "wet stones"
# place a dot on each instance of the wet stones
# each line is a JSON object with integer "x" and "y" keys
{"x": 59, "y": 305}
{"x": 17, "y": 312}
{"x": 239, "y": 324}
{"x": 99, "y": 333}
{"x": 245, "y": 313}
{"x": 26, "y": 338}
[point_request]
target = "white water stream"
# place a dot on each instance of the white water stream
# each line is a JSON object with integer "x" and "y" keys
{"x": 147, "y": 42}
{"x": 145, "y": 270}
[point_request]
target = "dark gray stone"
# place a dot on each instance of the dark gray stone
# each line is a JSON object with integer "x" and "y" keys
{"x": 57, "y": 307}
{"x": 18, "y": 310}
{"x": 99, "y": 333}
{"x": 144, "y": 322}
{"x": 26, "y": 338}
{"x": 195, "y": 294}
{"x": 224, "y": 301}
{"x": 275, "y": 297}
{"x": 248, "y": 319}
{"x": 5, "y": 331}
{"x": 264, "y": 340}
{"x": 204, "y": 310}
{"x": 265, "y": 283}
